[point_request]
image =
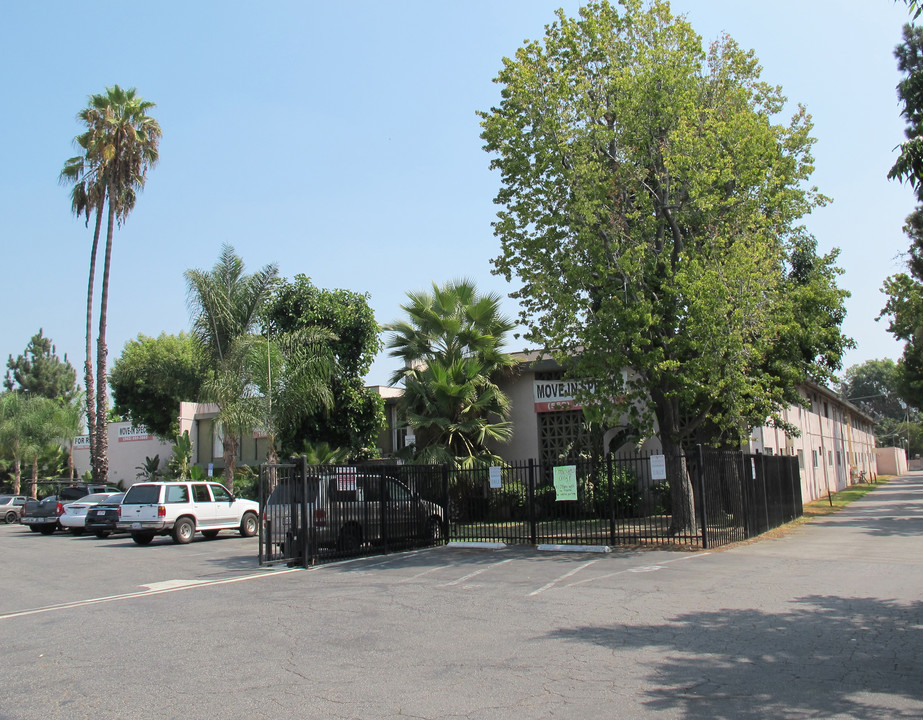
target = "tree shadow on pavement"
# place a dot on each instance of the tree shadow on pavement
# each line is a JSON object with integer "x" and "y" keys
{"x": 826, "y": 657}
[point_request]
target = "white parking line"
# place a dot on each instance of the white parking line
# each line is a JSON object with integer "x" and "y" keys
{"x": 476, "y": 572}
{"x": 563, "y": 577}
{"x": 636, "y": 569}
{"x": 156, "y": 589}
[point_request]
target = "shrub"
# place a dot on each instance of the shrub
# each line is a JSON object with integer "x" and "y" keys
{"x": 625, "y": 497}
{"x": 663, "y": 498}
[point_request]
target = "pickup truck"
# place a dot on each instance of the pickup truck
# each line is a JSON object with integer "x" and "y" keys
{"x": 42, "y": 515}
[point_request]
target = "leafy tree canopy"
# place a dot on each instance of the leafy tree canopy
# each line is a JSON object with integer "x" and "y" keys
{"x": 356, "y": 414}
{"x": 40, "y": 371}
{"x": 650, "y": 208}
{"x": 153, "y": 376}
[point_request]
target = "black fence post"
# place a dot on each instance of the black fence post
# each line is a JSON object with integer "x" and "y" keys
{"x": 611, "y": 502}
{"x": 703, "y": 506}
{"x": 447, "y": 518}
{"x": 531, "y": 479}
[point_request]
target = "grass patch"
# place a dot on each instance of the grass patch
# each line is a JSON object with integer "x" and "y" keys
{"x": 839, "y": 500}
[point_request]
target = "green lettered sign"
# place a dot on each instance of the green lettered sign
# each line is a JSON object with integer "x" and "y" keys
{"x": 565, "y": 482}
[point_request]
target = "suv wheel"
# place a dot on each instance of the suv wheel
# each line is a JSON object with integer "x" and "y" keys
{"x": 183, "y": 530}
{"x": 248, "y": 525}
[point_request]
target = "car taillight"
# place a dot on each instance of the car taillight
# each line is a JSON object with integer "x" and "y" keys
{"x": 161, "y": 511}
{"x": 320, "y": 518}
{"x": 60, "y": 509}
{"x": 119, "y": 511}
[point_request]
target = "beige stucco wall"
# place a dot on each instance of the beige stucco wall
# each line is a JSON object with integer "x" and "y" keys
{"x": 891, "y": 461}
{"x": 128, "y": 448}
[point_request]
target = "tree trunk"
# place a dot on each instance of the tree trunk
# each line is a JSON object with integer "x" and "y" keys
{"x": 33, "y": 487}
{"x": 88, "y": 363}
{"x": 17, "y": 476}
{"x": 102, "y": 384}
{"x": 684, "y": 520}
{"x": 230, "y": 443}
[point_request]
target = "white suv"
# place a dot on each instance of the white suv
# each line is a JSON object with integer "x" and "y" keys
{"x": 183, "y": 508}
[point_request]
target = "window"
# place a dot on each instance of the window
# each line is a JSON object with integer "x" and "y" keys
{"x": 177, "y": 494}
{"x": 801, "y": 459}
{"x": 220, "y": 492}
{"x": 839, "y": 457}
{"x": 830, "y": 457}
{"x": 200, "y": 493}
{"x": 814, "y": 453}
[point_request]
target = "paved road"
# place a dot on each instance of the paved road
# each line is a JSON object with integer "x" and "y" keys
{"x": 824, "y": 622}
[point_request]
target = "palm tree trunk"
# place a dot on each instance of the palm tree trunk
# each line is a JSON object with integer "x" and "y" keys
{"x": 88, "y": 363}
{"x": 230, "y": 443}
{"x": 102, "y": 385}
{"x": 17, "y": 476}
{"x": 33, "y": 487}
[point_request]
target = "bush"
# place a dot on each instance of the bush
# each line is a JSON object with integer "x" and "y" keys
{"x": 625, "y": 497}
{"x": 663, "y": 497}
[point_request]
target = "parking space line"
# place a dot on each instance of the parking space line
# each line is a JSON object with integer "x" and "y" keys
{"x": 636, "y": 569}
{"x": 563, "y": 577}
{"x": 425, "y": 572}
{"x": 159, "y": 589}
{"x": 476, "y": 572}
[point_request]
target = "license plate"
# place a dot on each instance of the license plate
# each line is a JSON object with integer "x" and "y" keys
{"x": 136, "y": 526}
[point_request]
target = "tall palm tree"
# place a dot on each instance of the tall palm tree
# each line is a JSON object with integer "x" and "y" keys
{"x": 120, "y": 146}
{"x": 225, "y": 304}
{"x": 452, "y": 348}
{"x": 88, "y": 195}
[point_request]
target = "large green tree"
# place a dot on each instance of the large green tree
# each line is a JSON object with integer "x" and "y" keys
{"x": 451, "y": 345}
{"x": 40, "y": 371}
{"x": 650, "y": 209}
{"x": 356, "y": 415}
{"x": 875, "y": 386}
{"x": 120, "y": 144}
{"x": 226, "y": 303}
{"x": 153, "y": 376}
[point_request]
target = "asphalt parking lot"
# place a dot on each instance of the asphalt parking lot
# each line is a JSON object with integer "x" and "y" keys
{"x": 823, "y": 622}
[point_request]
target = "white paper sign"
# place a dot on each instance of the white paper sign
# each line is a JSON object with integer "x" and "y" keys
{"x": 495, "y": 481}
{"x": 658, "y": 467}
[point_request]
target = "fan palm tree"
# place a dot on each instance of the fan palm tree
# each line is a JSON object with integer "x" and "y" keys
{"x": 40, "y": 422}
{"x": 293, "y": 372}
{"x": 120, "y": 146}
{"x": 452, "y": 348}
{"x": 225, "y": 304}
{"x": 12, "y": 432}
{"x": 70, "y": 424}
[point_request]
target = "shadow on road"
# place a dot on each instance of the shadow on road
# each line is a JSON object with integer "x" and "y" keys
{"x": 826, "y": 657}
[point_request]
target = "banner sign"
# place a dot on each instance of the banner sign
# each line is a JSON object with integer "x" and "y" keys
{"x": 556, "y": 395}
{"x": 133, "y": 434}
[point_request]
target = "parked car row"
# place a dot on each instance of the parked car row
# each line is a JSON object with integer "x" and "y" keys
{"x": 11, "y": 507}
{"x": 179, "y": 509}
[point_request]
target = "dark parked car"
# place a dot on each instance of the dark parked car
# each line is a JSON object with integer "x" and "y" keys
{"x": 102, "y": 519}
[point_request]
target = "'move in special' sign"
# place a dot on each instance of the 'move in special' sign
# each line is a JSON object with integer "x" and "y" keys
{"x": 551, "y": 395}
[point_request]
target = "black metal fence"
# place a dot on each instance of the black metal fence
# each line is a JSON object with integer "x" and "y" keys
{"x": 315, "y": 514}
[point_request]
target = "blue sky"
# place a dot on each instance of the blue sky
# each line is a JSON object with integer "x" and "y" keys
{"x": 340, "y": 140}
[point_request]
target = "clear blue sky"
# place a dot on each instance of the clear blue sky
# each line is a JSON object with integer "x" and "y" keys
{"x": 340, "y": 140}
